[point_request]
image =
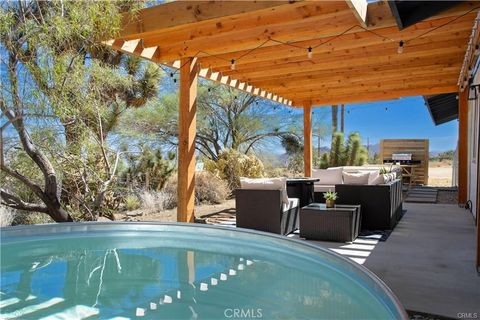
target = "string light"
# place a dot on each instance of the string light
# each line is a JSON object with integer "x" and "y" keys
{"x": 400, "y": 46}
{"x": 400, "y": 49}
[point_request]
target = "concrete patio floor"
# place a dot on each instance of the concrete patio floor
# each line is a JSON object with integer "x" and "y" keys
{"x": 428, "y": 260}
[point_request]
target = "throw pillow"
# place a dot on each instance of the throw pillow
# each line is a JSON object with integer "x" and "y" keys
{"x": 355, "y": 178}
{"x": 266, "y": 184}
{"x": 328, "y": 176}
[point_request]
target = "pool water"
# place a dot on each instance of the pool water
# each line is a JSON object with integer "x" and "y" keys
{"x": 174, "y": 271}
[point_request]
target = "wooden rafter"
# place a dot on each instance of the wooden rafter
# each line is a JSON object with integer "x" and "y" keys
{"x": 136, "y": 47}
{"x": 354, "y": 47}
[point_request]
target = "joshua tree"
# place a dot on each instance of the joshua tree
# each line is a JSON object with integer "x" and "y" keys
{"x": 350, "y": 152}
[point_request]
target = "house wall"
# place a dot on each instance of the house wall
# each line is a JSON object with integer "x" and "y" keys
{"x": 473, "y": 147}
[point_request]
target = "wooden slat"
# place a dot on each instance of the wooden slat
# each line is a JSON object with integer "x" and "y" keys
{"x": 152, "y": 20}
{"x": 386, "y": 57}
{"x": 136, "y": 47}
{"x": 186, "y": 140}
{"x": 356, "y": 39}
{"x": 385, "y": 87}
{"x": 377, "y": 81}
{"x": 357, "y": 97}
{"x": 386, "y": 52}
{"x": 351, "y": 72}
{"x": 419, "y": 148}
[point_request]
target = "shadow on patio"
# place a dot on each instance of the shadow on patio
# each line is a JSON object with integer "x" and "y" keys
{"x": 428, "y": 260}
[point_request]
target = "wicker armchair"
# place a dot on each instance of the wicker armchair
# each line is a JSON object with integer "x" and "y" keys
{"x": 264, "y": 210}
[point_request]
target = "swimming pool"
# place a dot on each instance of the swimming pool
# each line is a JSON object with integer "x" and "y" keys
{"x": 179, "y": 271}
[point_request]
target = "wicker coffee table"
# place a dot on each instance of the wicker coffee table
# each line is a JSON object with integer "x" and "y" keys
{"x": 341, "y": 223}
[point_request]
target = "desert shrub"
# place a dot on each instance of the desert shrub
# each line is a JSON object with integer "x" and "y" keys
{"x": 209, "y": 189}
{"x": 231, "y": 165}
{"x": 132, "y": 202}
{"x": 277, "y": 172}
{"x": 7, "y": 215}
{"x": 151, "y": 200}
{"x": 22, "y": 217}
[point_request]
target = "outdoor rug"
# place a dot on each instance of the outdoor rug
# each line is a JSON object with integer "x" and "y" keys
{"x": 380, "y": 235}
{"x": 226, "y": 218}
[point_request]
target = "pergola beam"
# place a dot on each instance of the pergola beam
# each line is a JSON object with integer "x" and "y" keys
{"x": 358, "y": 96}
{"x": 152, "y": 20}
{"x": 136, "y": 47}
{"x": 432, "y": 79}
{"x": 388, "y": 56}
{"x": 358, "y": 38}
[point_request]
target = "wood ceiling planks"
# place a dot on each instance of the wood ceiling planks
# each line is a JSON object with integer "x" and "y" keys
{"x": 364, "y": 63}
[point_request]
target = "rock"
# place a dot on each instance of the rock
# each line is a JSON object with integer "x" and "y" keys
{"x": 134, "y": 213}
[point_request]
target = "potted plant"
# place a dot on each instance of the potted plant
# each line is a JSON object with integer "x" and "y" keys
{"x": 330, "y": 198}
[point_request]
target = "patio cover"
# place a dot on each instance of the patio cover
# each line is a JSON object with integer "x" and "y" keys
{"x": 304, "y": 54}
{"x": 354, "y": 45}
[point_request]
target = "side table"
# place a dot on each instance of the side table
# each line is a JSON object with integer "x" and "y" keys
{"x": 341, "y": 223}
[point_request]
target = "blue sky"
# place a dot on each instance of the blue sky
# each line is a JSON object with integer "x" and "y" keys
{"x": 403, "y": 118}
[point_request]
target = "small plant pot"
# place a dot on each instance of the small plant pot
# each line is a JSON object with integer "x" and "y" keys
{"x": 330, "y": 203}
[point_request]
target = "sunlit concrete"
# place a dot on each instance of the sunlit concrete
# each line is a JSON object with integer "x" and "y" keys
{"x": 428, "y": 260}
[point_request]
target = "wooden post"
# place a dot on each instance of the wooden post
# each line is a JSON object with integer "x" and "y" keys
{"x": 307, "y": 138}
{"x": 462, "y": 146}
{"x": 187, "y": 109}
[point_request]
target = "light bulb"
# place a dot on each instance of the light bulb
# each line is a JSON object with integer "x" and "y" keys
{"x": 310, "y": 53}
{"x": 232, "y": 65}
{"x": 400, "y": 46}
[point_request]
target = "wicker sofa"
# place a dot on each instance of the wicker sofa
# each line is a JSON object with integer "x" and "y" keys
{"x": 265, "y": 210}
{"x": 381, "y": 204}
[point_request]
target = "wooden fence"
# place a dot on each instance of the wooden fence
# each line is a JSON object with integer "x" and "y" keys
{"x": 417, "y": 147}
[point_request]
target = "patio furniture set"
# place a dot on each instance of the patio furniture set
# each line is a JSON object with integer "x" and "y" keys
{"x": 367, "y": 200}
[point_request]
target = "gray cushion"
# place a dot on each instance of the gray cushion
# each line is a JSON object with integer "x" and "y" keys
{"x": 323, "y": 187}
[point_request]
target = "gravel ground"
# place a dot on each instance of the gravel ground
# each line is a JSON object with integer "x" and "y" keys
{"x": 447, "y": 197}
{"x": 171, "y": 215}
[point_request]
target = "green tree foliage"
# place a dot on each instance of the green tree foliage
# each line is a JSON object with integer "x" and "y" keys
{"x": 226, "y": 119}
{"x": 292, "y": 144}
{"x": 149, "y": 169}
{"x": 348, "y": 153}
{"x": 58, "y": 75}
{"x": 231, "y": 165}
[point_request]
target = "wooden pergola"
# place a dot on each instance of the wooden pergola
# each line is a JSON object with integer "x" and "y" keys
{"x": 302, "y": 54}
